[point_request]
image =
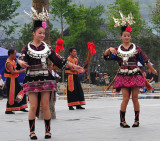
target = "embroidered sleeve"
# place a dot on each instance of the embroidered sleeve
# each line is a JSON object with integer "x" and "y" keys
{"x": 57, "y": 59}
{"x": 142, "y": 57}
{"x": 18, "y": 67}
{"x": 111, "y": 56}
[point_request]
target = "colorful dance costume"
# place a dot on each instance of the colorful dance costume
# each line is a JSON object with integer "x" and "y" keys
{"x": 129, "y": 74}
{"x": 16, "y": 98}
{"x": 38, "y": 78}
{"x": 75, "y": 95}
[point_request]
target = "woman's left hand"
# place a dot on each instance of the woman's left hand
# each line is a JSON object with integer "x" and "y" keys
{"x": 23, "y": 64}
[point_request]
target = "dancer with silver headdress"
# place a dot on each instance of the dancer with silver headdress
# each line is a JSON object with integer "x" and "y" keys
{"x": 129, "y": 78}
{"x": 39, "y": 82}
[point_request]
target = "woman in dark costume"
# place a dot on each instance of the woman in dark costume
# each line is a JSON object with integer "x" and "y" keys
{"x": 129, "y": 77}
{"x": 39, "y": 82}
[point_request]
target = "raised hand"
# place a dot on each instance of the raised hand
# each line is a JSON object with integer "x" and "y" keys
{"x": 113, "y": 51}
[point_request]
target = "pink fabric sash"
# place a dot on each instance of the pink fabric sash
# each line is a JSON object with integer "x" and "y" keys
{"x": 12, "y": 91}
{"x": 70, "y": 83}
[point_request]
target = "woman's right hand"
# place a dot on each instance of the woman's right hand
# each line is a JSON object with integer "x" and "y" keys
{"x": 113, "y": 50}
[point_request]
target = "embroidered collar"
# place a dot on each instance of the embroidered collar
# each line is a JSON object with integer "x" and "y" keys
{"x": 125, "y": 55}
{"x": 39, "y": 54}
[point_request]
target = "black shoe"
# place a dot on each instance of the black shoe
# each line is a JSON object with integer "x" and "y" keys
{"x": 48, "y": 136}
{"x": 79, "y": 107}
{"x": 124, "y": 126}
{"x": 136, "y": 125}
{"x": 9, "y": 112}
{"x": 24, "y": 110}
{"x": 33, "y": 137}
{"x": 71, "y": 108}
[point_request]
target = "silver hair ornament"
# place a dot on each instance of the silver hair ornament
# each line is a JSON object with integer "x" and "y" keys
{"x": 124, "y": 20}
{"x": 43, "y": 16}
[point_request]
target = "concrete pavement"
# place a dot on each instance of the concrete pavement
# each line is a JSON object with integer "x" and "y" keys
{"x": 99, "y": 122}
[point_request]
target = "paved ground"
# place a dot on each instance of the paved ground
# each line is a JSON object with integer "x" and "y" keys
{"x": 99, "y": 122}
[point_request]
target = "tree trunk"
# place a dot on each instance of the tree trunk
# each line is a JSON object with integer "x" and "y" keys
{"x": 61, "y": 26}
{"x": 38, "y": 5}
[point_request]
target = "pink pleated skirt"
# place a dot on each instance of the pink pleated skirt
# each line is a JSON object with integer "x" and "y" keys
{"x": 123, "y": 81}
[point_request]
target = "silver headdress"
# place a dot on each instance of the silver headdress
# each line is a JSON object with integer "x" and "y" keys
{"x": 43, "y": 16}
{"x": 124, "y": 20}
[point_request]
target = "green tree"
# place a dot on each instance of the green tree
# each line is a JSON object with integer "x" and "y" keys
{"x": 54, "y": 35}
{"x": 84, "y": 26}
{"x": 155, "y": 17}
{"x": 25, "y": 36}
{"x": 7, "y": 12}
{"x": 150, "y": 45}
{"x": 126, "y": 7}
{"x": 59, "y": 9}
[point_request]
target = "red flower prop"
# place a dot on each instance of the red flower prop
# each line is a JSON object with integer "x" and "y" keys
{"x": 91, "y": 47}
{"x": 59, "y": 45}
{"x": 129, "y": 29}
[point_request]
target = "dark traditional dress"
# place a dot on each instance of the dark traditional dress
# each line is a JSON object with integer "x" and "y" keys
{"x": 129, "y": 74}
{"x": 75, "y": 95}
{"x": 38, "y": 77}
{"x": 16, "y": 97}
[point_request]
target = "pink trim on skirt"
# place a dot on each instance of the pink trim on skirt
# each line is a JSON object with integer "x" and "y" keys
{"x": 38, "y": 86}
{"x": 129, "y": 81}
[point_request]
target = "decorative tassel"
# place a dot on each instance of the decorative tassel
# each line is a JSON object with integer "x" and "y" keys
{"x": 59, "y": 45}
{"x": 91, "y": 47}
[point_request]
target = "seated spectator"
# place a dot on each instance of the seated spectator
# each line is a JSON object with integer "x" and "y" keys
{"x": 150, "y": 78}
{"x": 143, "y": 72}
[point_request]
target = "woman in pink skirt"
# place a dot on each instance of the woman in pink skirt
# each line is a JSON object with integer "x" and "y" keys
{"x": 39, "y": 82}
{"x": 129, "y": 77}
